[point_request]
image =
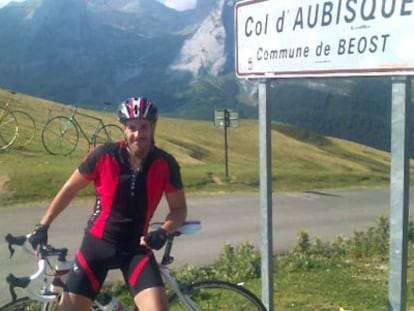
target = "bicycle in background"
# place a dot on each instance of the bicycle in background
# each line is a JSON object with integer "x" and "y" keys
{"x": 198, "y": 296}
{"x": 9, "y": 129}
{"x": 16, "y": 126}
{"x": 60, "y": 135}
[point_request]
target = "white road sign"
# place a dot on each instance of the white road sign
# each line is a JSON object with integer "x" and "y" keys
{"x": 297, "y": 38}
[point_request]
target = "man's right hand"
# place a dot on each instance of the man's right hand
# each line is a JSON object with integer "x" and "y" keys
{"x": 39, "y": 235}
{"x": 156, "y": 239}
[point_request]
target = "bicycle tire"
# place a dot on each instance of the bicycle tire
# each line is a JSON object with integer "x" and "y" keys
{"x": 108, "y": 133}
{"x": 9, "y": 129}
{"x": 27, "y": 128}
{"x": 218, "y": 295}
{"x": 60, "y": 136}
{"x": 29, "y": 304}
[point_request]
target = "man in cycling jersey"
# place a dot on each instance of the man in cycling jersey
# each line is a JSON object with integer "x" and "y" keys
{"x": 130, "y": 178}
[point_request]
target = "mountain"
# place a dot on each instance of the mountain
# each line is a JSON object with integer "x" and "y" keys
{"x": 209, "y": 48}
{"x": 86, "y": 52}
{"x": 357, "y": 109}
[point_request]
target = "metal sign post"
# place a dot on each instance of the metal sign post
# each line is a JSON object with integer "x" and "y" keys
{"x": 265, "y": 141}
{"x": 399, "y": 205}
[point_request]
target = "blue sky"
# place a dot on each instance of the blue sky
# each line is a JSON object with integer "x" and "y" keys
{"x": 180, "y": 5}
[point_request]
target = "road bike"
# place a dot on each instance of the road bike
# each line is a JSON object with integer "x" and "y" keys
{"x": 60, "y": 135}
{"x": 198, "y": 296}
{"x": 16, "y": 126}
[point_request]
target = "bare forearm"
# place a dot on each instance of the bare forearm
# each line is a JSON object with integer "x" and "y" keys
{"x": 175, "y": 219}
{"x": 178, "y": 210}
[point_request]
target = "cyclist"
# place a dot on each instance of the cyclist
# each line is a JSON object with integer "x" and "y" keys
{"x": 130, "y": 177}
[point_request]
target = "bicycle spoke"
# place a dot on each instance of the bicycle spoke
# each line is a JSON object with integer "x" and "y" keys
{"x": 27, "y": 128}
{"x": 60, "y": 136}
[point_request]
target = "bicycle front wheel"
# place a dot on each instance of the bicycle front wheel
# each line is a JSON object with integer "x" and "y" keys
{"x": 9, "y": 129}
{"x": 217, "y": 295}
{"x": 108, "y": 133}
{"x": 27, "y": 128}
{"x": 28, "y": 304}
{"x": 60, "y": 136}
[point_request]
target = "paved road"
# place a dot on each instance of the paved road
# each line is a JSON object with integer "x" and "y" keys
{"x": 226, "y": 218}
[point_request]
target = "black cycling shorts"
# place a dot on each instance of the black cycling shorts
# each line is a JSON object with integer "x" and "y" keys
{"x": 95, "y": 257}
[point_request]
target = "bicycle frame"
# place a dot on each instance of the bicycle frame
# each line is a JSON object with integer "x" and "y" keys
{"x": 99, "y": 125}
{"x": 188, "y": 228}
{"x": 6, "y": 106}
{"x": 175, "y": 286}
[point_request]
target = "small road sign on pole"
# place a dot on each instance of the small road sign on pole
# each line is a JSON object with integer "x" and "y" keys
{"x": 226, "y": 118}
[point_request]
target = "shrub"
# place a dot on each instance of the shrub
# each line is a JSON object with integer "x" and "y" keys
{"x": 307, "y": 255}
{"x": 362, "y": 244}
{"x": 236, "y": 264}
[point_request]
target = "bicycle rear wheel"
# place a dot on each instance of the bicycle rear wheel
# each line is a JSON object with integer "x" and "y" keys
{"x": 108, "y": 133}
{"x": 28, "y": 304}
{"x": 27, "y": 128}
{"x": 60, "y": 136}
{"x": 217, "y": 295}
{"x": 9, "y": 129}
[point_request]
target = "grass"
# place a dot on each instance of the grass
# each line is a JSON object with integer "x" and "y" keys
{"x": 302, "y": 160}
{"x": 351, "y": 286}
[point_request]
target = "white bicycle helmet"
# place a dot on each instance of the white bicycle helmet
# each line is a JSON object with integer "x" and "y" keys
{"x": 136, "y": 108}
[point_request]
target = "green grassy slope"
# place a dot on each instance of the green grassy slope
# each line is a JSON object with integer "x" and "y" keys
{"x": 302, "y": 160}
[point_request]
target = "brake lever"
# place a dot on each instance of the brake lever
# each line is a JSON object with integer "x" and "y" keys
{"x": 19, "y": 282}
{"x": 10, "y": 247}
{"x": 12, "y": 293}
{"x": 12, "y": 240}
{"x": 11, "y": 251}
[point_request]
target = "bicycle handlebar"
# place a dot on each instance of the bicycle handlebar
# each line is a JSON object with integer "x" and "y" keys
{"x": 187, "y": 228}
{"x": 42, "y": 253}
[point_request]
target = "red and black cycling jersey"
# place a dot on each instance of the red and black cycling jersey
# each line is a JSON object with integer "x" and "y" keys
{"x": 126, "y": 200}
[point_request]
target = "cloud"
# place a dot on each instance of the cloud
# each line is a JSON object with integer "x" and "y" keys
{"x": 5, "y": 2}
{"x": 179, "y": 5}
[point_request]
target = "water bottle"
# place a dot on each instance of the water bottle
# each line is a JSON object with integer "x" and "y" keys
{"x": 62, "y": 269}
{"x": 109, "y": 303}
